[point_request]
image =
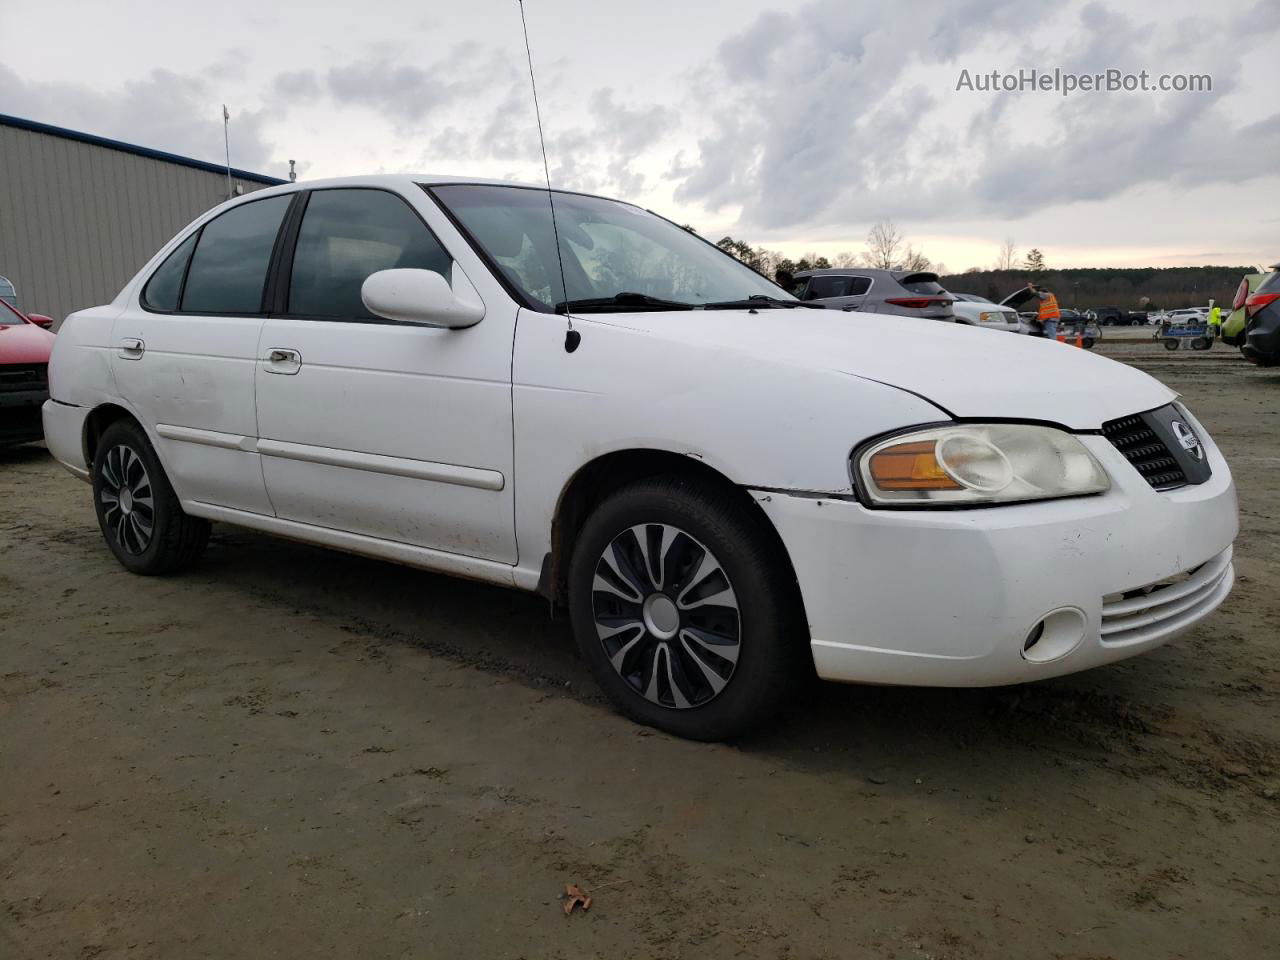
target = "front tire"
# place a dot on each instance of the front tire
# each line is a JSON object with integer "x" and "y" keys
{"x": 685, "y": 611}
{"x": 139, "y": 514}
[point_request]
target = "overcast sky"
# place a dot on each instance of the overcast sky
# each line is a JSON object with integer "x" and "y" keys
{"x": 792, "y": 126}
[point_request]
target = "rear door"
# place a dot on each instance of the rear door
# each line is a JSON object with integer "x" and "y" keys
{"x": 184, "y": 357}
{"x": 838, "y": 292}
{"x": 384, "y": 429}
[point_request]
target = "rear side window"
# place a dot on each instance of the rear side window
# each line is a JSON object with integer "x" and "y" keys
{"x": 229, "y": 266}
{"x": 822, "y": 288}
{"x": 165, "y": 286}
{"x": 345, "y": 236}
{"x": 922, "y": 287}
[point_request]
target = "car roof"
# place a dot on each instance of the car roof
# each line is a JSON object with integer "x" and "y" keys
{"x": 849, "y": 272}
{"x": 406, "y": 181}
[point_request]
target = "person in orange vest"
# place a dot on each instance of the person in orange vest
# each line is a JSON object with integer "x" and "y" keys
{"x": 1048, "y": 313}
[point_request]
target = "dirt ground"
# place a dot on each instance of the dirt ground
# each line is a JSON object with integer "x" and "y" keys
{"x": 291, "y": 752}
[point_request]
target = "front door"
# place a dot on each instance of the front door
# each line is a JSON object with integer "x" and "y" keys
{"x": 185, "y": 356}
{"x": 389, "y": 430}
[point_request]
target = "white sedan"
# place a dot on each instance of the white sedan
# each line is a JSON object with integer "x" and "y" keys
{"x": 727, "y": 490}
{"x": 976, "y": 311}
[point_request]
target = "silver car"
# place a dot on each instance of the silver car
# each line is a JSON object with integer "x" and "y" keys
{"x": 907, "y": 293}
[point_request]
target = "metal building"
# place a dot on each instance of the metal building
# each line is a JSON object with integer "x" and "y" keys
{"x": 79, "y": 214}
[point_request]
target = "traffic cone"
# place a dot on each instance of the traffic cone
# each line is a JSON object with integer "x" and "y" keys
{"x": 1079, "y": 338}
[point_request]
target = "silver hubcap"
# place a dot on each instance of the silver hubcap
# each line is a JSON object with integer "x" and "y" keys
{"x": 128, "y": 510}
{"x": 666, "y": 615}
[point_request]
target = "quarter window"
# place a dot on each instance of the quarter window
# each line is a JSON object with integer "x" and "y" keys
{"x": 345, "y": 236}
{"x": 165, "y": 286}
{"x": 229, "y": 266}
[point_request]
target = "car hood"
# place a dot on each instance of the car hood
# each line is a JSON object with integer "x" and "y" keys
{"x": 967, "y": 373}
{"x": 25, "y": 343}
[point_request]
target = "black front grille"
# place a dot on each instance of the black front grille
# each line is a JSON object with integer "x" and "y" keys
{"x": 1151, "y": 441}
{"x": 33, "y": 376}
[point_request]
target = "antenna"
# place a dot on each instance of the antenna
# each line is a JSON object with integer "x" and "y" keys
{"x": 571, "y": 337}
{"x": 226, "y": 142}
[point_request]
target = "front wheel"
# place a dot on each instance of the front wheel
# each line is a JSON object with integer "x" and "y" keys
{"x": 139, "y": 513}
{"x": 1171, "y": 344}
{"x": 685, "y": 611}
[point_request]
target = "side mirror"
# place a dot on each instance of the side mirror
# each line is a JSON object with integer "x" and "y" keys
{"x": 40, "y": 320}
{"x": 423, "y": 297}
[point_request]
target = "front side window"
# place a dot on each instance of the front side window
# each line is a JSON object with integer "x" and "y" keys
{"x": 164, "y": 289}
{"x": 229, "y": 266}
{"x": 609, "y": 248}
{"x": 345, "y": 236}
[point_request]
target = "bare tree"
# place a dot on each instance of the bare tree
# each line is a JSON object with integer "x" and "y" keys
{"x": 846, "y": 259}
{"x": 883, "y": 244}
{"x": 1007, "y": 258}
{"x": 913, "y": 259}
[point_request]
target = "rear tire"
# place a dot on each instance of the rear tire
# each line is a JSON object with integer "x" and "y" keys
{"x": 685, "y": 611}
{"x": 138, "y": 512}
{"x": 1171, "y": 344}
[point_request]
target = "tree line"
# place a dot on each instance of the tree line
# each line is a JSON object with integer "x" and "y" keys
{"x": 1129, "y": 288}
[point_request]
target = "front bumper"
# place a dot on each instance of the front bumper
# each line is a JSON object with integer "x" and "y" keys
{"x": 949, "y": 597}
{"x": 64, "y": 435}
{"x": 20, "y": 415}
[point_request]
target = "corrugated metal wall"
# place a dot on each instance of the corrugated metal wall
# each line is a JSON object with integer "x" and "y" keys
{"x": 77, "y": 220}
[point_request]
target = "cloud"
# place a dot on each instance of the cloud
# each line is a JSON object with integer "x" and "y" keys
{"x": 163, "y": 110}
{"x": 404, "y": 93}
{"x": 835, "y": 113}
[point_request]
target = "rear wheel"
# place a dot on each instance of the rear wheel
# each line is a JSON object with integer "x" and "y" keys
{"x": 140, "y": 516}
{"x": 1171, "y": 344}
{"x": 683, "y": 608}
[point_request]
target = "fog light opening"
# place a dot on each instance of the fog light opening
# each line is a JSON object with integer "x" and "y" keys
{"x": 1054, "y": 636}
{"x": 1034, "y": 636}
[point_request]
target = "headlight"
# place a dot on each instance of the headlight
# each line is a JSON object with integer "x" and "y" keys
{"x": 977, "y": 463}
{"x": 986, "y": 316}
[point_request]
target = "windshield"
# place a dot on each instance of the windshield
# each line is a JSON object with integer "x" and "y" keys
{"x": 609, "y": 248}
{"x": 9, "y": 316}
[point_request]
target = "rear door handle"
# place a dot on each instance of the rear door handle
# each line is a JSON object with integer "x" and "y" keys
{"x": 131, "y": 348}
{"x": 283, "y": 361}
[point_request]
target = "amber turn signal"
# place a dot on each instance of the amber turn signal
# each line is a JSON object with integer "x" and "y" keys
{"x": 910, "y": 466}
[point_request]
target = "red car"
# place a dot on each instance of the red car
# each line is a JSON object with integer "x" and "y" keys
{"x": 24, "y": 373}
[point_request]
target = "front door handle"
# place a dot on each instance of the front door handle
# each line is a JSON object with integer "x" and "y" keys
{"x": 282, "y": 360}
{"x": 131, "y": 348}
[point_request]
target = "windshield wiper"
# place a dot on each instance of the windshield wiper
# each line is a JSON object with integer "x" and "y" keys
{"x": 621, "y": 302}
{"x": 759, "y": 300}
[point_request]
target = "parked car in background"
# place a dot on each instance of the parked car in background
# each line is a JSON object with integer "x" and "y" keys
{"x": 1195, "y": 315}
{"x": 1070, "y": 322}
{"x": 971, "y": 309}
{"x": 725, "y": 492}
{"x": 904, "y": 293}
{"x": 1262, "y": 320}
{"x": 24, "y": 374}
{"x": 1115, "y": 317}
{"x": 1236, "y": 319}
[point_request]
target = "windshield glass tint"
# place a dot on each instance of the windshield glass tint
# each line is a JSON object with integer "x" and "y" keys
{"x": 609, "y": 248}
{"x": 7, "y": 316}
